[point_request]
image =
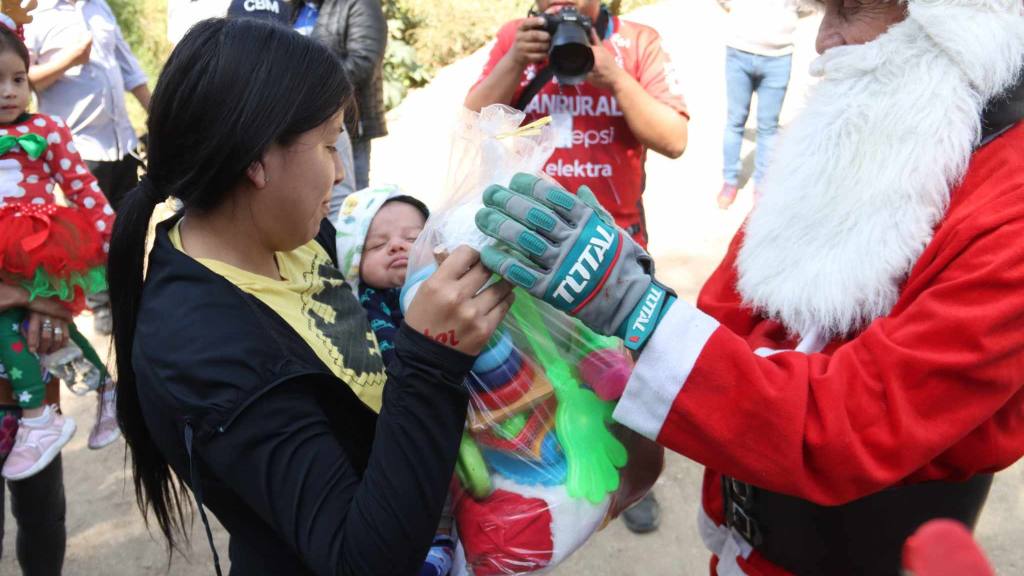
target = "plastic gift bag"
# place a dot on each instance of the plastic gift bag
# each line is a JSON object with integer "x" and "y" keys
{"x": 541, "y": 466}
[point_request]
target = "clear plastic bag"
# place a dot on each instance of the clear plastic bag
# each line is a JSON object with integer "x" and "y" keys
{"x": 542, "y": 466}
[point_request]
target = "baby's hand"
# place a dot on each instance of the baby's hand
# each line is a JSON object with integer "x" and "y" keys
{"x": 451, "y": 308}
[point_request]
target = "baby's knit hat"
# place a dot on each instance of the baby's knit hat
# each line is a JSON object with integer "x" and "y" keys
{"x": 354, "y": 219}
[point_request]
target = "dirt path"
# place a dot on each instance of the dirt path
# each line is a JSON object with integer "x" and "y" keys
{"x": 689, "y": 234}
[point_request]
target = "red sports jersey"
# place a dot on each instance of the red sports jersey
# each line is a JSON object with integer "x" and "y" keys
{"x": 596, "y": 148}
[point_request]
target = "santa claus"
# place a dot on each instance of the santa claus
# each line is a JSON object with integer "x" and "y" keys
{"x": 855, "y": 366}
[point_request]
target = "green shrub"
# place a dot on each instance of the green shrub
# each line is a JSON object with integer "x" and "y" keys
{"x": 144, "y": 25}
{"x": 402, "y": 68}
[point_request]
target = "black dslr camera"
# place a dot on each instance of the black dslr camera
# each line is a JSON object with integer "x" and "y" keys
{"x": 570, "y": 55}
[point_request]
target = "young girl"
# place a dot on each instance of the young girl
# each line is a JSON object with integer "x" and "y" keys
{"x": 263, "y": 421}
{"x": 51, "y": 251}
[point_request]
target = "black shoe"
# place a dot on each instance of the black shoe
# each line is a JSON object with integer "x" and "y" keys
{"x": 644, "y": 516}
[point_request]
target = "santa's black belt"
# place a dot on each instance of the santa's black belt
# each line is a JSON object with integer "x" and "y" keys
{"x": 863, "y": 538}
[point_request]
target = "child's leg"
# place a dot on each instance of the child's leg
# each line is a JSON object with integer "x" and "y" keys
{"x": 22, "y": 366}
{"x": 90, "y": 353}
{"x": 42, "y": 432}
{"x": 105, "y": 431}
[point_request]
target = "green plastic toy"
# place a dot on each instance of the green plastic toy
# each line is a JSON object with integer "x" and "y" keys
{"x": 593, "y": 453}
{"x": 472, "y": 470}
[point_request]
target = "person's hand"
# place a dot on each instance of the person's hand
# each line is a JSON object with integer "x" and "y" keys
{"x": 567, "y": 251}
{"x": 606, "y": 73}
{"x": 78, "y": 53}
{"x": 48, "y": 307}
{"x": 451, "y": 308}
{"x": 531, "y": 44}
{"x": 44, "y": 333}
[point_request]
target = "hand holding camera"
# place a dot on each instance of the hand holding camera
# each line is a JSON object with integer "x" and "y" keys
{"x": 563, "y": 38}
{"x": 532, "y": 42}
{"x": 606, "y": 72}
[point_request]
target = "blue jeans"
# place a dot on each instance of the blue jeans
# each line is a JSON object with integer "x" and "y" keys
{"x": 746, "y": 73}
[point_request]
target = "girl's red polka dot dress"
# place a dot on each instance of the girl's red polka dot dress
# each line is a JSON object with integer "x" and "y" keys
{"x": 51, "y": 249}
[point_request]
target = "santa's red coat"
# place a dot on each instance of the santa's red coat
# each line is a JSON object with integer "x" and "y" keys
{"x": 932, "y": 391}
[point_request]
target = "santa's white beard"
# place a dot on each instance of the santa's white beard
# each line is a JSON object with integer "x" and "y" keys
{"x": 862, "y": 177}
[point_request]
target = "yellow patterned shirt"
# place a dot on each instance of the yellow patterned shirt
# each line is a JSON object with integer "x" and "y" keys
{"x": 313, "y": 298}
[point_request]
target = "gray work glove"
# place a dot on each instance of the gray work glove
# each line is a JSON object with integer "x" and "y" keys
{"x": 567, "y": 251}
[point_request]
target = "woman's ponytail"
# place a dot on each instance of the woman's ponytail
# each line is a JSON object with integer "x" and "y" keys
{"x": 155, "y": 487}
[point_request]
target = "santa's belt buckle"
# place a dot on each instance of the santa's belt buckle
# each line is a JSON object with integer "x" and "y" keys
{"x": 742, "y": 523}
{"x": 740, "y": 491}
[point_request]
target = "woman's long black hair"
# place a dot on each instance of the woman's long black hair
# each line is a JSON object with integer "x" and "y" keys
{"x": 230, "y": 89}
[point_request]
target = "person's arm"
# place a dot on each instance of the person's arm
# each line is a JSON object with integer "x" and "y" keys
{"x": 39, "y": 341}
{"x": 365, "y": 40}
{"x": 504, "y": 71}
{"x": 44, "y": 75}
{"x": 832, "y": 428}
{"x": 282, "y": 458}
{"x": 143, "y": 95}
{"x": 12, "y": 296}
{"x": 655, "y": 124}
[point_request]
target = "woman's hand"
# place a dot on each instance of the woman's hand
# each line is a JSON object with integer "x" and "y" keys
{"x": 46, "y": 329}
{"x": 450, "y": 308}
{"x": 45, "y": 333}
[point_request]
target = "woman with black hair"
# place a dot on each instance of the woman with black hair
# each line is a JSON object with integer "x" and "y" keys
{"x": 247, "y": 369}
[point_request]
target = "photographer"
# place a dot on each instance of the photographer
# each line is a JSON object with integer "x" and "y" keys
{"x": 630, "y": 101}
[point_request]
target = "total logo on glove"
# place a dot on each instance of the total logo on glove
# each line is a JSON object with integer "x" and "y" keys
{"x": 567, "y": 251}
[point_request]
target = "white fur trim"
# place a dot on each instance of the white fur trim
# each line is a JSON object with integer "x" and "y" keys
{"x": 663, "y": 368}
{"x": 812, "y": 343}
{"x": 723, "y": 542}
{"x": 863, "y": 176}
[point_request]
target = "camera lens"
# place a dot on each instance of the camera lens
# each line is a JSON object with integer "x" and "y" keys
{"x": 572, "y": 60}
{"x": 570, "y": 55}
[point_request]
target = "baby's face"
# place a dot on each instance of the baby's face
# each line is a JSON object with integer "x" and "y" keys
{"x": 386, "y": 250}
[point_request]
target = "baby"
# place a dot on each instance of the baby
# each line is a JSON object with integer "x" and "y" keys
{"x": 376, "y": 230}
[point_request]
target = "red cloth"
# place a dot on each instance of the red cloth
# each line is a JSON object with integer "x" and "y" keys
{"x": 932, "y": 391}
{"x": 59, "y": 240}
{"x": 600, "y": 151}
{"x": 944, "y": 548}
{"x": 504, "y": 534}
{"x": 27, "y": 181}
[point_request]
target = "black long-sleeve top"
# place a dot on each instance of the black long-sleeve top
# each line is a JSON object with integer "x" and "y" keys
{"x": 304, "y": 477}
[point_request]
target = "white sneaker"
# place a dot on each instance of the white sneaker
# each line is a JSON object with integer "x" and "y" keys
{"x": 106, "y": 430}
{"x": 36, "y": 446}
